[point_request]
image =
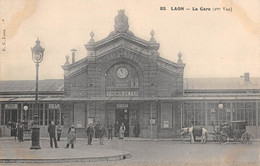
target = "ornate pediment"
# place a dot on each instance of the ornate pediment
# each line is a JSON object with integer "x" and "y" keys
{"x": 121, "y": 36}
{"x": 122, "y": 43}
{"x": 169, "y": 66}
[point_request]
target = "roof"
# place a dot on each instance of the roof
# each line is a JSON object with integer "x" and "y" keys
{"x": 220, "y": 83}
{"x": 48, "y": 85}
{"x": 57, "y": 85}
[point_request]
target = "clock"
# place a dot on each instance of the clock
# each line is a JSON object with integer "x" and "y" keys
{"x": 122, "y": 72}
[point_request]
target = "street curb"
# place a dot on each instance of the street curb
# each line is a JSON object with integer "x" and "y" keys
{"x": 139, "y": 139}
{"x": 69, "y": 160}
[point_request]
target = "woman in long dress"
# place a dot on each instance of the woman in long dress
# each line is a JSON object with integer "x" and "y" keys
{"x": 71, "y": 137}
{"x": 122, "y": 131}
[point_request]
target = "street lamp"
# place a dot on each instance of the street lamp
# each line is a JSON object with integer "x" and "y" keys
{"x": 37, "y": 57}
{"x": 220, "y": 105}
{"x": 25, "y": 107}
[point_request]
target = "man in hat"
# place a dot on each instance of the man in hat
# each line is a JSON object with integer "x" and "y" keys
{"x": 52, "y": 133}
{"x": 101, "y": 133}
{"x": 90, "y": 133}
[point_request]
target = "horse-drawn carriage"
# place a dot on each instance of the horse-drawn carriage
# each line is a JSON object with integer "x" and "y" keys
{"x": 234, "y": 131}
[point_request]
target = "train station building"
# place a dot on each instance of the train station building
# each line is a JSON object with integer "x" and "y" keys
{"x": 123, "y": 78}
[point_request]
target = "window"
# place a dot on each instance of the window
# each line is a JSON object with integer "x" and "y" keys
{"x": 194, "y": 114}
{"x": 2, "y": 117}
{"x": 79, "y": 115}
{"x": 166, "y": 115}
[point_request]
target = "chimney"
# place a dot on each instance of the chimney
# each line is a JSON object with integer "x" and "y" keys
{"x": 246, "y": 75}
{"x": 73, "y": 55}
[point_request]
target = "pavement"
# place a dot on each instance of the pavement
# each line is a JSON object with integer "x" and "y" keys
{"x": 130, "y": 151}
{"x": 13, "y": 151}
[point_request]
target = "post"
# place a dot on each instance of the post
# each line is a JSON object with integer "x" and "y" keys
{"x": 181, "y": 113}
{"x": 151, "y": 121}
{"x": 37, "y": 57}
{"x": 257, "y": 109}
{"x": 36, "y": 128}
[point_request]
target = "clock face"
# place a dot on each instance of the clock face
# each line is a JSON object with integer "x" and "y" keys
{"x": 122, "y": 72}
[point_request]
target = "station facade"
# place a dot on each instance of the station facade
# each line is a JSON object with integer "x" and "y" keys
{"x": 123, "y": 78}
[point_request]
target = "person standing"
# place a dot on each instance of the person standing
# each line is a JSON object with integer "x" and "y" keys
{"x": 59, "y": 131}
{"x": 71, "y": 137}
{"x": 109, "y": 129}
{"x": 137, "y": 129}
{"x": 20, "y": 132}
{"x": 116, "y": 128}
{"x": 52, "y": 133}
{"x": 101, "y": 133}
{"x": 16, "y": 131}
{"x": 90, "y": 133}
{"x": 122, "y": 131}
{"x": 97, "y": 126}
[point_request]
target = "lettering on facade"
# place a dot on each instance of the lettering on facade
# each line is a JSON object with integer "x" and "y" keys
{"x": 122, "y": 93}
{"x": 54, "y": 106}
{"x": 11, "y": 106}
{"x": 122, "y": 105}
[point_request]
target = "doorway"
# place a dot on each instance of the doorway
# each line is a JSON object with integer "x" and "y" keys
{"x": 122, "y": 116}
{"x": 13, "y": 115}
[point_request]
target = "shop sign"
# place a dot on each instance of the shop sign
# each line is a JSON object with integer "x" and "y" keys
{"x": 122, "y": 93}
{"x": 152, "y": 121}
{"x": 79, "y": 124}
{"x": 11, "y": 106}
{"x": 122, "y": 105}
{"x": 90, "y": 121}
{"x": 54, "y": 106}
{"x": 165, "y": 124}
{"x": 212, "y": 111}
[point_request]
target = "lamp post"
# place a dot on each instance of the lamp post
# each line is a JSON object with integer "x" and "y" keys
{"x": 37, "y": 57}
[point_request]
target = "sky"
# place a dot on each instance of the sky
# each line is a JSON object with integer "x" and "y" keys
{"x": 213, "y": 43}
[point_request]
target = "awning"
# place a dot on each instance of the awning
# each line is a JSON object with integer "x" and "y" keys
{"x": 138, "y": 98}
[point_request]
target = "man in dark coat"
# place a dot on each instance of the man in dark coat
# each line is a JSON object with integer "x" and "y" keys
{"x": 109, "y": 129}
{"x": 137, "y": 129}
{"x": 116, "y": 128}
{"x": 97, "y": 126}
{"x": 101, "y": 133}
{"x": 20, "y": 132}
{"x": 52, "y": 133}
{"x": 90, "y": 133}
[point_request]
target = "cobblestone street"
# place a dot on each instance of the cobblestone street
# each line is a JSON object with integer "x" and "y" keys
{"x": 146, "y": 152}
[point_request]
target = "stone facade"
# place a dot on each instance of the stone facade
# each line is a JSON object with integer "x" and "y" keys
{"x": 122, "y": 76}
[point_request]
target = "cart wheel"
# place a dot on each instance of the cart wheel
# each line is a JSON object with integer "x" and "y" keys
{"x": 223, "y": 139}
{"x": 247, "y": 138}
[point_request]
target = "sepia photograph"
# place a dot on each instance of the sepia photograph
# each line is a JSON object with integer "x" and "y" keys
{"x": 130, "y": 82}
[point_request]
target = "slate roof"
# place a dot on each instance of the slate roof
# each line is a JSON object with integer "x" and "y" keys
{"x": 49, "y": 85}
{"x": 221, "y": 83}
{"x": 57, "y": 85}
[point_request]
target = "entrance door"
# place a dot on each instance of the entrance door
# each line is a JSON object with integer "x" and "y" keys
{"x": 122, "y": 116}
{"x": 13, "y": 115}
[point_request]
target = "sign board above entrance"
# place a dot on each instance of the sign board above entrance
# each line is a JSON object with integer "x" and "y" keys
{"x": 122, "y": 105}
{"x": 122, "y": 93}
{"x": 10, "y": 106}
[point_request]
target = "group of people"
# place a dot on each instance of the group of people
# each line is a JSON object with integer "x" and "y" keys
{"x": 121, "y": 129}
{"x": 17, "y": 130}
{"x": 98, "y": 131}
{"x": 52, "y": 133}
